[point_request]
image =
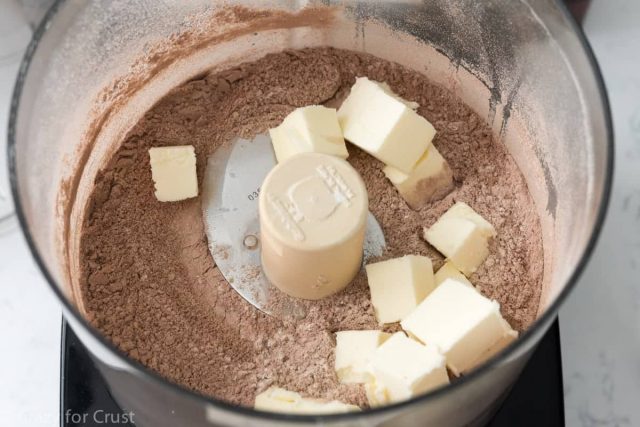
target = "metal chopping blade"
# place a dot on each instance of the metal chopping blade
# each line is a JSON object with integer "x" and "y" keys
{"x": 230, "y": 194}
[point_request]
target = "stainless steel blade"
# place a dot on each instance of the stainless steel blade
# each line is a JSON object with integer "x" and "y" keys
{"x": 230, "y": 194}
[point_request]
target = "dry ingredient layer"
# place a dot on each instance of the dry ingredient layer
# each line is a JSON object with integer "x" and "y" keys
{"x": 151, "y": 286}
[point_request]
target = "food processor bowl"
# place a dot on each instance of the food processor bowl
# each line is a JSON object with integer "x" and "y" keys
{"x": 94, "y": 68}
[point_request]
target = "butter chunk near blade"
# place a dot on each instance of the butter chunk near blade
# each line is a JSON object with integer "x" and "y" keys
{"x": 173, "y": 170}
{"x": 354, "y": 350}
{"x": 462, "y": 236}
{"x": 448, "y": 271}
{"x": 312, "y": 129}
{"x": 407, "y": 368}
{"x": 277, "y": 399}
{"x": 384, "y": 126}
{"x": 377, "y": 394}
{"x": 463, "y": 324}
{"x": 398, "y": 285}
{"x": 430, "y": 180}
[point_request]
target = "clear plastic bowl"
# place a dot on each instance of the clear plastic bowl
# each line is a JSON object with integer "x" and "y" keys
{"x": 524, "y": 66}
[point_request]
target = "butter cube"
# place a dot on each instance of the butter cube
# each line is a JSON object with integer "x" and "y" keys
{"x": 398, "y": 285}
{"x": 312, "y": 129}
{"x": 462, "y": 236}
{"x": 509, "y": 336}
{"x": 448, "y": 271}
{"x": 407, "y": 368}
{"x": 377, "y": 394}
{"x": 173, "y": 170}
{"x": 383, "y": 125}
{"x": 463, "y": 324}
{"x": 411, "y": 104}
{"x": 277, "y": 399}
{"x": 353, "y": 354}
{"x": 430, "y": 180}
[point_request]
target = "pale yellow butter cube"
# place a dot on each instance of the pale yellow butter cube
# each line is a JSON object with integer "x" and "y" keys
{"x": 411, "y": 104}
{"x": 354, "y": 350}
{"x": 312, "y": 129}
{"x": 463, "y": 324}
{"x": 384, "y": 126}
{"x": 509, "y": 335}
{"x": 173, "y": 170}
{"x": 462, "y": 236}
{"x": 430, "y": 180}
{"x": 398, "y": 285}
{"x": 277, "y": 399}
{"x": 377, "y": 394}
{"x": 448, "y": 271}
{"x": 463, "y": 210}
{"x": 406, "y": 368}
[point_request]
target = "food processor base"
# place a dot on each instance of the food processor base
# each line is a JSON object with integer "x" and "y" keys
{"x": 535, "y": 400}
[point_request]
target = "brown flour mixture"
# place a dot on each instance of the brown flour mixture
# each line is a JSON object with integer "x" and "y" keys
{"x": 151, "y": 286}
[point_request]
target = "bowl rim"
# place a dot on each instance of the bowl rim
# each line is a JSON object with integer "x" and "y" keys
{"x": 539, "y": 326}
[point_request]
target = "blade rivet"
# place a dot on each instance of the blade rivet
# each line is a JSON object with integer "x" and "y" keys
{"x": 250, "y": 241}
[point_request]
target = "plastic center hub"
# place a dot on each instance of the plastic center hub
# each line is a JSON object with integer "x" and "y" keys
{"x": 230, "y": 192}
{"x": 313, "y": 212}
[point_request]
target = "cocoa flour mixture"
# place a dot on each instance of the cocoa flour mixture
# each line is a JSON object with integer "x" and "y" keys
{"x": 151, "y": 286}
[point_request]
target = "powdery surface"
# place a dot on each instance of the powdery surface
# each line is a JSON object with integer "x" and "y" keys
{"x": 151, "y": 286}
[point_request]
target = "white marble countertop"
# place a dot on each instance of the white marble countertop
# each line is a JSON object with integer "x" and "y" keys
{"x": 30, "y": 318}
{"x": 600, "y": 324}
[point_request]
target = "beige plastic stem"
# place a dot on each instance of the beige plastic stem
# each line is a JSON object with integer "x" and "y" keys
{"x": 313, "y": 210}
